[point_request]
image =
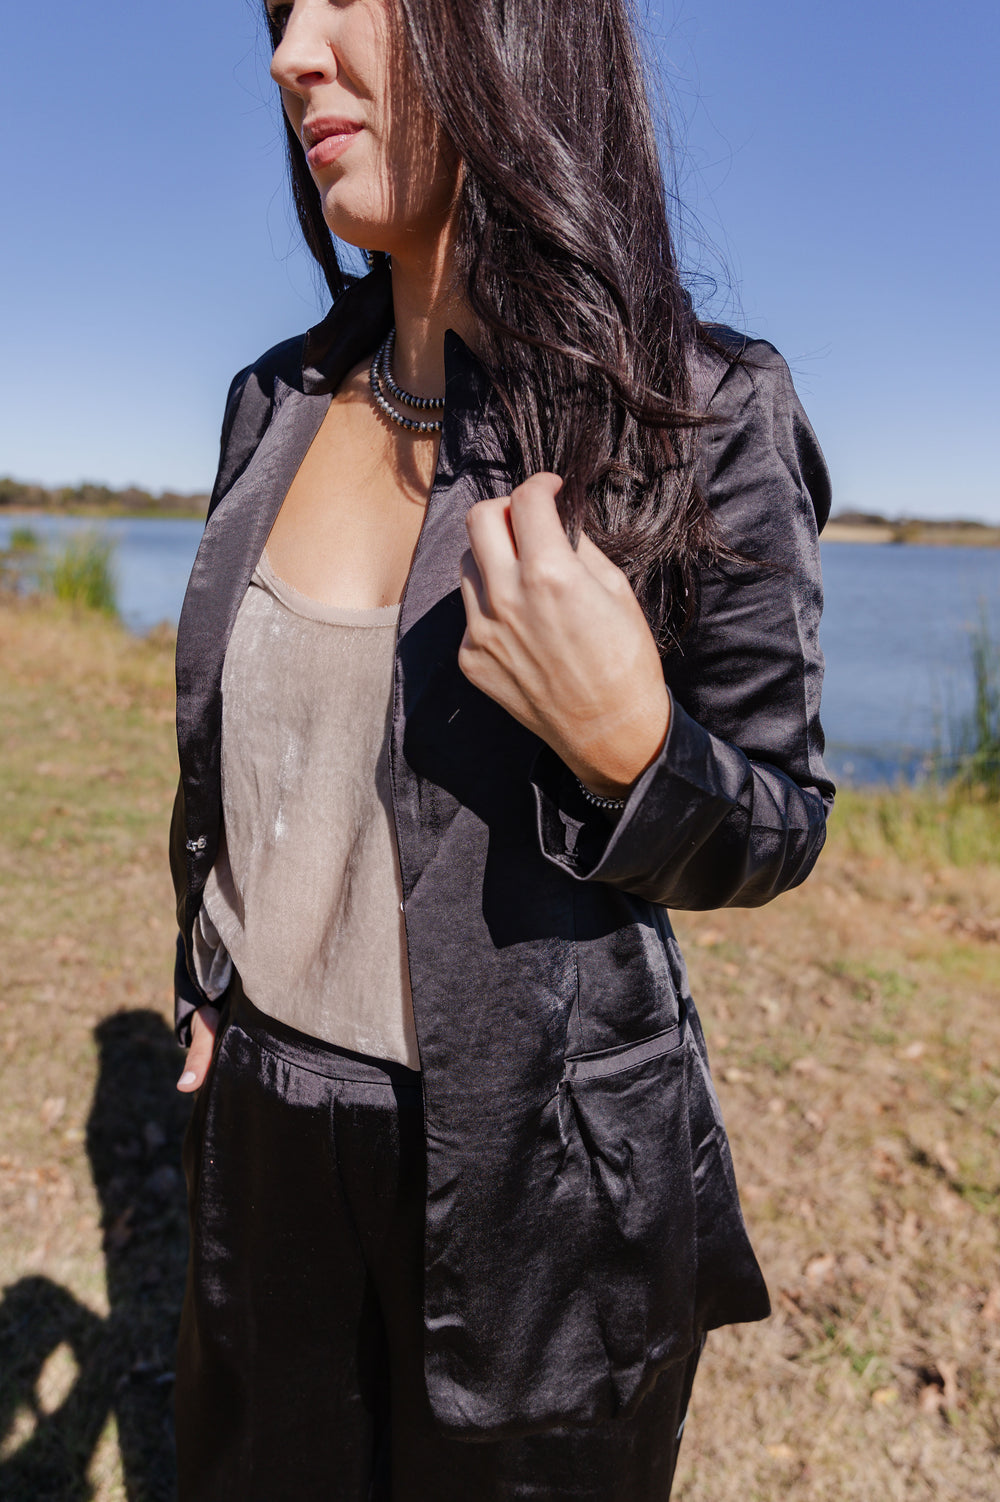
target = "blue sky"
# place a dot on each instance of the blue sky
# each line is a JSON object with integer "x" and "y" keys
{"x": 837, "y": 164}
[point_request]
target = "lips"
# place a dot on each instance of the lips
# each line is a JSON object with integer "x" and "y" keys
{"x": 326, "y": 138}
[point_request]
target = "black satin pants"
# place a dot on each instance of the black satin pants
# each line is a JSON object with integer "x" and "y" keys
{"x": 300, "y": 1368}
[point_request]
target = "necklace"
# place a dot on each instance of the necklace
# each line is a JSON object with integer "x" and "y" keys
{"x": 380, "y": 379}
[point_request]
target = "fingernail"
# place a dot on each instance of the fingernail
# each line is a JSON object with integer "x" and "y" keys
{"x": 187, "y": 1078}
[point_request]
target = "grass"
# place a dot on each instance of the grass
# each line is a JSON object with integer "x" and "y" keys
{"x": 978, "y": 738}
{"x": 91, "y": 1208}
{"x": 24, "y": 540}
{"x": 936, "y": 825}
{"x": 855, "y": 1037}
{"x": 82, "y": 573}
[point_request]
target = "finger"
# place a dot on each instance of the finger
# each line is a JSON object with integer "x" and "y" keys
{"x": 203, "y": 1028}
{"x": 470, "y": 582}
{"x": 535, "y": 518}
{"x": 492, "y": 543}
{"x": 599, "y": 565}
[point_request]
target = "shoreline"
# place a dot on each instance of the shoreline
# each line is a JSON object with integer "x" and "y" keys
{"x": 100, "y": 513}
{"x": 921, "y": 534}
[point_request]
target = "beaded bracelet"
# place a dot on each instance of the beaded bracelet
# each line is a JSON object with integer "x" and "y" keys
{"x": 612, "y": 804}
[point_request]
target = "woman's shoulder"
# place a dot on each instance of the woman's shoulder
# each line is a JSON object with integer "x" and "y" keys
{"x": 298, "y": 363}
{"x": 723, "y": 362}
{"x": 282, "y": 362}
{"x": 249, "y": 405}
{"x": 757, "y": 433}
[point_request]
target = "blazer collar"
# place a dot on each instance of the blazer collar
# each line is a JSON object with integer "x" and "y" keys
{"x": 358, "y": 321}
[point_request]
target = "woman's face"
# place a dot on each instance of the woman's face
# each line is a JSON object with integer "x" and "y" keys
{"x": 386, "y": 173}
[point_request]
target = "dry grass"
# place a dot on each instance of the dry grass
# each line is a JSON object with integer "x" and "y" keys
{"x": 91, "y": 1206}
{"x": 854, "y": 1028}
{"x": 855, "y": 1033}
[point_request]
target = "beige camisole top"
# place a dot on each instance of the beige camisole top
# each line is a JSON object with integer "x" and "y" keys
{"x": 305, "y": 896}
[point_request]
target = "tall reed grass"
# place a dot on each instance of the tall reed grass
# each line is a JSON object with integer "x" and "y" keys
{"x": 976, "y": 737}
{"x": 24, "y": 540}
{"x": 82, "y": 573}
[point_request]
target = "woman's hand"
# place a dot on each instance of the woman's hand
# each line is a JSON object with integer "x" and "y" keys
{"x": 557, "y": 637}
{"x": 204, "y": 1024}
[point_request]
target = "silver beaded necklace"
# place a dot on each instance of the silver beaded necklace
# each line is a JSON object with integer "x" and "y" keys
{"x": 380, "y": 379}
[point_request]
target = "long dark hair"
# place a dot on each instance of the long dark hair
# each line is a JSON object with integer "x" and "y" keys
{"x": 566, "y": 254}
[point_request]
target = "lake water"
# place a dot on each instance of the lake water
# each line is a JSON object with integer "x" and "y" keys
{"x": 896, "y": 631}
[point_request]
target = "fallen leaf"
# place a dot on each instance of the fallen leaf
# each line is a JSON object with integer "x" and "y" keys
{"x": 780, "y": 1452}
{"x": 947, "y": 1203}
{"x": 818, "y": 1269}
{"x": 882, "y": 1396}
{"x": 930, "y": 1399}
{"x": 946, "y": 1159}
{"x": 805, "y": 1066}
{"x": 913, "y": 1050}
{"x": 815, "y": 1120}
{"x": 733, "y": 1076}
{"x": 708, "y": 938}
{"x": 941, "y": 1392}
{"x": 949, "y": 1376}
{"x": 885, "y": 1167}
{"x": 52, "y": 1110}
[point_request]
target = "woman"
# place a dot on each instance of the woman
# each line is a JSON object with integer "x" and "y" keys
{"x": 501, "y": 639}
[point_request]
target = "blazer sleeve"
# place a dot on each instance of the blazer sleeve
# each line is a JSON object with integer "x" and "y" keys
{"x": 733, "y": 809}
{"x": 188, "y": 995}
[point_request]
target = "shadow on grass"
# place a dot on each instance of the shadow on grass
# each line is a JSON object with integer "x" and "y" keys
{"x": 124, "y": 1363}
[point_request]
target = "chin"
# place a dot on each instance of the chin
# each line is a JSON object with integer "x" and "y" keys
{"x": 350, "y": 223}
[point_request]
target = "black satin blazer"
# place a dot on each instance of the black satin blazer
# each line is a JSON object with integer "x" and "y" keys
{"x": 582, "y": 1221}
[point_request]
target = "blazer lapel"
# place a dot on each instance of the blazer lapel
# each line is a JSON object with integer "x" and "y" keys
{"x": 437, "y": 714}
{"x": 232, "y": 543}
{"x": 469, "y": 468}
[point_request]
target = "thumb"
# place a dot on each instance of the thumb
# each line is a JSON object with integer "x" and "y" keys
{"x": 204, "y": 1025}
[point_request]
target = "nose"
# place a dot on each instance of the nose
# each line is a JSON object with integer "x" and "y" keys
{"x": 304, "y": 57}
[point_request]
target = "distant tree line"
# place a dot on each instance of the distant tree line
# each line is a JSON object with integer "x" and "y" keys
{"x": 876, "y": 519}
{"x": 98, "y": 500}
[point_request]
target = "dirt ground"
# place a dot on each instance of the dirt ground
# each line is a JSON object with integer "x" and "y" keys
{"x": 855, "y": 1033}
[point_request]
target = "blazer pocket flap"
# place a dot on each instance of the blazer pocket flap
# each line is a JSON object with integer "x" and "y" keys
{"x": 614, "y": 1060}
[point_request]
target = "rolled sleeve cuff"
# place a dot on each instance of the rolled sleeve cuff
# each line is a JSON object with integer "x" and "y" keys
{"x": 686, "y": 791}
